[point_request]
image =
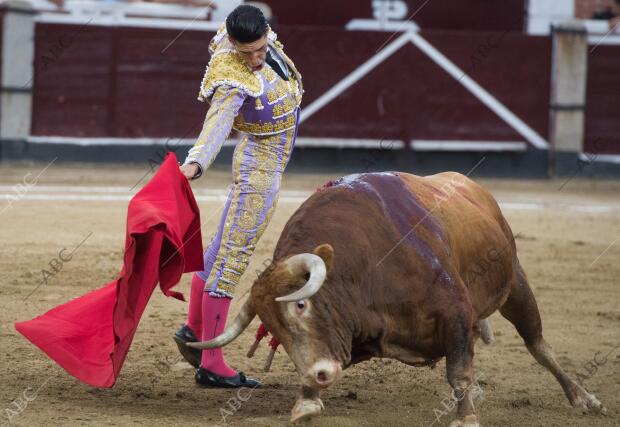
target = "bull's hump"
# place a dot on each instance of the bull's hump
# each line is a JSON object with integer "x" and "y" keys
{"x": 402, "y": 208}
{"x": 356, "y": 180}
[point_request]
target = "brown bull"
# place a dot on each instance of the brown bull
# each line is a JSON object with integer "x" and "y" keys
{"x": 380, "y": 265}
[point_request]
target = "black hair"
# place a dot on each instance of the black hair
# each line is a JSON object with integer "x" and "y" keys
{"x": 246, "y": 24}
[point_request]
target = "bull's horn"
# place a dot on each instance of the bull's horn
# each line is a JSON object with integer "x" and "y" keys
{"x": 306, "y": 263}
{"x": 243, "y": 319}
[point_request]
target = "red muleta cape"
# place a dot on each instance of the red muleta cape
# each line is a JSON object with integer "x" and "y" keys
{"x": 90, "y": 335}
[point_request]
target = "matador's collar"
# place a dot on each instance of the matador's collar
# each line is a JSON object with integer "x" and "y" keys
{"x": 226, "y": 67}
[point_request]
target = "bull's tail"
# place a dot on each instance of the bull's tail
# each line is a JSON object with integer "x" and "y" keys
{"x": 486, "y": 331}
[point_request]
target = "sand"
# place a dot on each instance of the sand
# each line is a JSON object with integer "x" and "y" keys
{"x": 565, "y": 246}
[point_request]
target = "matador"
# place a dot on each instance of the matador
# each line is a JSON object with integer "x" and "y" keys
{"x": 254, "y": 88}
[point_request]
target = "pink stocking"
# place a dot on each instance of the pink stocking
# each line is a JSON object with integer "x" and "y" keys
{"x": 194, "y": 314}
{"x": 214, "y": 314}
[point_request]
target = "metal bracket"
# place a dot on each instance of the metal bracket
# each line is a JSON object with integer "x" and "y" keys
{"x": 567, "y": 107}
{"x": 16, "y": 89}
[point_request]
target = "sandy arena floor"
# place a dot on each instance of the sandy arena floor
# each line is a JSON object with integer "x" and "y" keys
{"x": 569, "y": 246}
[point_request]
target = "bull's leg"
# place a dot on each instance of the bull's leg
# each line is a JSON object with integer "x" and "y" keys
{"x": 308, "y": 404}
{"x": 521, "y": 310}
{"x": 459, "y": 344}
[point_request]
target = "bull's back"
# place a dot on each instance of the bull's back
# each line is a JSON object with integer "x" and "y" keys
{"x": 457, "y": 201}
{"x": 444, "y": 223}
{"x": 481, "y": 242}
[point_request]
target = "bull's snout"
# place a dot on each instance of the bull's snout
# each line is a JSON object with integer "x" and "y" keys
{"x": 324, "y": 372}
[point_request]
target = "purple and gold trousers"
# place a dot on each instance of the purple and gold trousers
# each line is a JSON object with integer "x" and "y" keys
{"x": 258, "y": 165}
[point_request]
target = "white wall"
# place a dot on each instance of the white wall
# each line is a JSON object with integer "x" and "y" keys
{"x": 17, "y": 57}
{"x": 543, "y": 13}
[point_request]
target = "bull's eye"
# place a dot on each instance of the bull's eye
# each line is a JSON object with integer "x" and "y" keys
{"x": 299, "y": 309}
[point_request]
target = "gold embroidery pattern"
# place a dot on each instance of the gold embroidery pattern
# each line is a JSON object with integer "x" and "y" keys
{"x": 270, "y": 162}
{"x": 239, "y": 238}
{"x": 268, "y": 214}
{"x": 269, "y": 74}
{"x": 285, "y": 157}
{"x": 218, "y": 38}
{"x": 264, "y": 128}
{"x": 231, "y": 276}
{"x": 267, "y": 155}
{"x": 277, "y": 93}
{"x": 230, "y": 216}
{"x": 254, "y": 202}
{"x": 247, "y": 220}
{"x": 258, "y": 185}
{"x": 260, "y": 180}
{"x": 259, "y": 105}
{"x": 227, "y": 68}
{"x": 240, "y": 263}
{"x": 209, "y": 128}
{"x": 287, "y": 106}
{"x": 225, "y": 288}
{"x": 287, "y": 149}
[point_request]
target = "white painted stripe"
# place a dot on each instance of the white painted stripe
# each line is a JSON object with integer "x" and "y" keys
{"x": 71, "y": 140}
{"x": 118, "y": 189}
{"x": 376, "y": 25}
{"x": 66, "y": 189}
{"x": 601, "y": 39}
{"x": 353, "y": 77}
{"x": 603, "y": 158}
{"x": 13, "y": 199}
{"x": 479, "y": 92}
{"x": 174, "y": 142}
{"x": 66, "y": 197}
{"x": 560, "y": 207}
{"x": 437, "y": 145}
{"x": 387, "y": 144}
{"x": 173, "y": 24}
{"x": 298, "y": 197}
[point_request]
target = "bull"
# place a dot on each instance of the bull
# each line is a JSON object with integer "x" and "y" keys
{"x": 380, "y": 265}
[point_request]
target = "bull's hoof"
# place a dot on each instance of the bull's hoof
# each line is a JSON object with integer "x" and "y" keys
{"x": 587, "y": 402}
{"x": 468, "y": 421}
{"x": 306, "y": 408}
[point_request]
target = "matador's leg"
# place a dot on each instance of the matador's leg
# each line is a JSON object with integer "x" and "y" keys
{"x": 194, "y": 313}
{"x": 258, "y": 164}
{"x": 192, "y": 330}
{"x": 257, "y": 168}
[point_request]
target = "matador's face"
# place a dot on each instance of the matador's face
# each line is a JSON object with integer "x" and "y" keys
{"x": 254, "y": 53}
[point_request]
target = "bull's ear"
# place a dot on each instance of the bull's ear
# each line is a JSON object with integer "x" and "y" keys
{"x": 326, "y": 252}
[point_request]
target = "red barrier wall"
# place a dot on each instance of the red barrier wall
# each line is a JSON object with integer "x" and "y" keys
{"x": 603, "y": 101}
{"x": 1, "y": 43}
{"x": 409, "y": 96}
{"x": 434, "y": 14}
{"x": 98, "y": 81}
{"x": 117, "y": 82}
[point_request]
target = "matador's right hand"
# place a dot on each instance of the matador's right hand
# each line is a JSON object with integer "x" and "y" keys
{"x": 190, "y": 170}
